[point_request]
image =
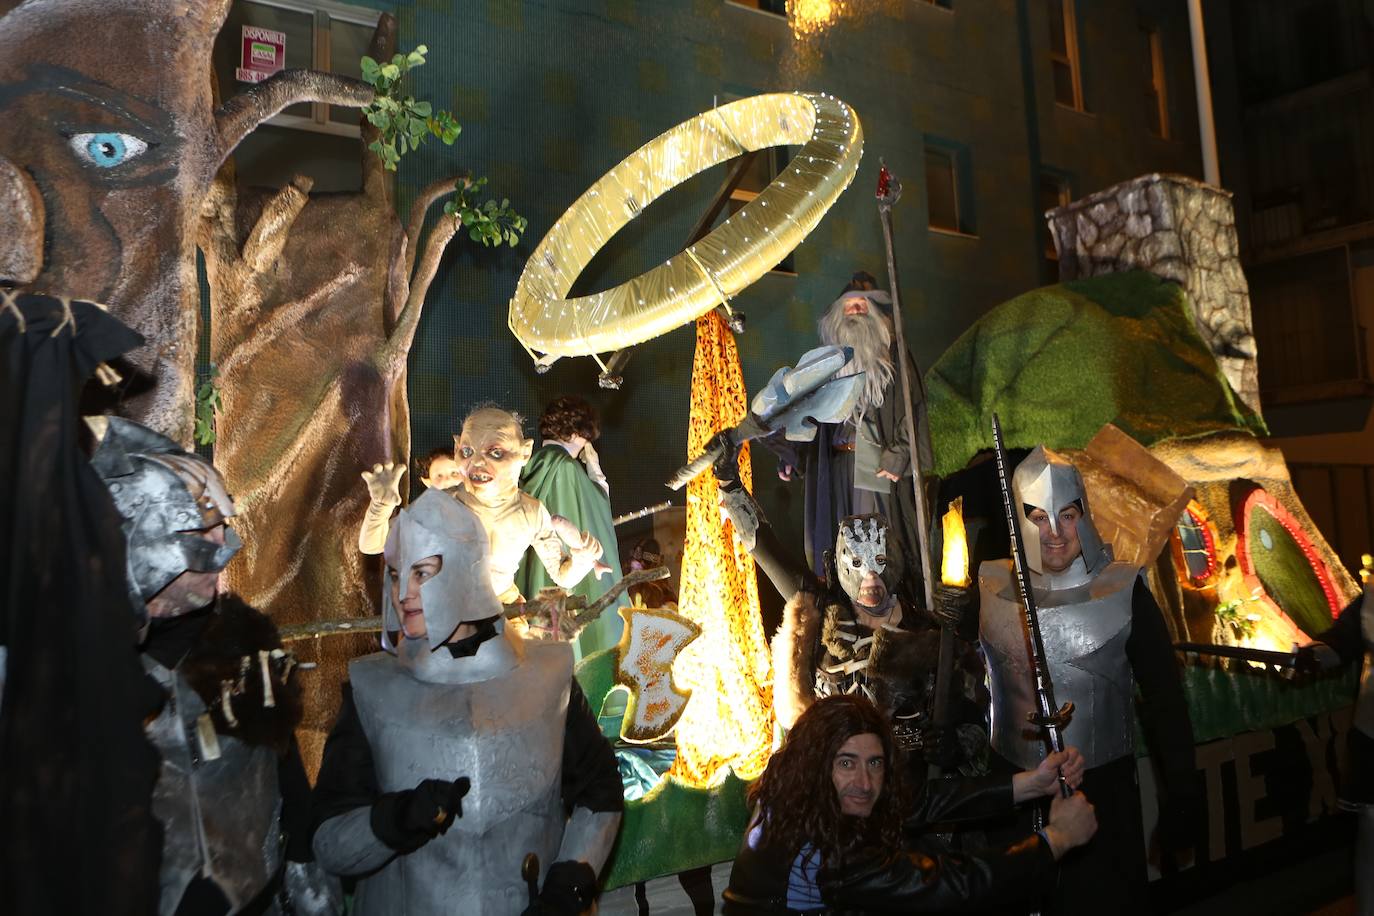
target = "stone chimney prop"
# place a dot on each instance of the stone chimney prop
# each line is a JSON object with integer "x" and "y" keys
{"x": 1182, "y": 230}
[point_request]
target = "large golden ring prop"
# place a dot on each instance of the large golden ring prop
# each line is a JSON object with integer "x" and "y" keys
{"x": 728, "y": 259}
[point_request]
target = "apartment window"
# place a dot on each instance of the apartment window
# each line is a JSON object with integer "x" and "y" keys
{"x": 949, "y": 187}
{"x": 942, "y": 189}
{"x": 1306, "y": 327}
{"x": 316, "y": 34}
{"x": 1054, "y": 192}
{"x": 1068, "y": 77}
{"x": 768, "y": 164}
{"x": 776, "y": 7}
{"x": 1156, "y": 95}
{"x": 1317, "y": 34}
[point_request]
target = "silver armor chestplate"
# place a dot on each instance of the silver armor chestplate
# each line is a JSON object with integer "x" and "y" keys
{"x": 1364, "y": 703}
{"x": 505, "y": 734}
{"x": 221, "y": 817}
{"x": 1085, "y": 631}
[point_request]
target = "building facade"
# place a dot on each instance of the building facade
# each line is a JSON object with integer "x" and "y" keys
{"x": 990, "y": 113}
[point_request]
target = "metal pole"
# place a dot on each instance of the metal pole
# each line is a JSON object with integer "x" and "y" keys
{"x": 1207, "y": 128}
{"x": 887, "y": 196}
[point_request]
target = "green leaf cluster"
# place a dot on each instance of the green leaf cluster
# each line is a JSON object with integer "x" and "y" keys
{"x": 402, "y": 122}
{"x": 1235, "y": 615}
{"x": 207, "y": 404}
{"x": 490, "y": 223}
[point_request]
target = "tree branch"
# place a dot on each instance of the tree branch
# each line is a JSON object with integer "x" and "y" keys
{"x": 415, "y": 225}
{"x": 398, "y": 344}
{"x": 237, "y": 117}
{"x": 268, "y": 237}
{"x": 377, "y": 181}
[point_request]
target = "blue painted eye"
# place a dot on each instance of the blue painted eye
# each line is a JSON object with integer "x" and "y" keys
{"x": 107, "y": 150}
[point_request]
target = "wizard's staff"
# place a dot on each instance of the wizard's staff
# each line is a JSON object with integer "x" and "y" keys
{"x": 889, "y": 191}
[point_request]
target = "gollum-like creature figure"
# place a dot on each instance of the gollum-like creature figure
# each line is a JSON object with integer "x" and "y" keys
{"x": 491, "y": 451}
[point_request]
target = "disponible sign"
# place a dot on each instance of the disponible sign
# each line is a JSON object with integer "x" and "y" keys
{"x": 264, "y": 53}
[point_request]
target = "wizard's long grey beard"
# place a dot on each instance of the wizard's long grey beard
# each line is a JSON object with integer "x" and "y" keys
{"x": 870, "y": 336}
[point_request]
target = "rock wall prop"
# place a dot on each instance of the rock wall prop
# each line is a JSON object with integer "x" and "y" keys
{"x": 1181, "y": 230}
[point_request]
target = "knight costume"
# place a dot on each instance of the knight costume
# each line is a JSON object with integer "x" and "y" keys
{"x": 231, "y": 794}
{"x": 458, "y": 753}
{"x": 1104, "y": 635}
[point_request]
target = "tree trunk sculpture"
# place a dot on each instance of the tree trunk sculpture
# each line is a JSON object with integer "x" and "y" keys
{"x": 314, "y": 305}
{"x": 109, "y": 113}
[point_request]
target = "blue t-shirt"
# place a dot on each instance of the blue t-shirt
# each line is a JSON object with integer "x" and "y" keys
{"x": 803, "y": 892}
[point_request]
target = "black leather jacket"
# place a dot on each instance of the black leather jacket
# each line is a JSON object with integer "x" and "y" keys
{"x": 915, "y": 878}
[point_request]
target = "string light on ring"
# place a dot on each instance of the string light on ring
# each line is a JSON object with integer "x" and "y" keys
{"x": 708, "y": 273}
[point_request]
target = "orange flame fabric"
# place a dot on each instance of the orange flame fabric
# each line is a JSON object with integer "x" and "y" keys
{"x": 729, "y": 721}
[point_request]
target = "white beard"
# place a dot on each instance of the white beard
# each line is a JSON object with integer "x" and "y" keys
{"x": 870, "y": 336}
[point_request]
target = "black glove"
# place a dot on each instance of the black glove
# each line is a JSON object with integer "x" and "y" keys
{"x": 569, "y": 889}
{"x": 940, "y": 746}
{"x": 951, "y": 604}
{"x": 407, "y": 820}
{"x": 1315, "y": 658}
{"x": 726, "y": 467}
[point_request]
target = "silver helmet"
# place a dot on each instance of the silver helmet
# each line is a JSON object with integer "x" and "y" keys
{"x": 436, "y": 524}
{"x": 861, "y": 551}
{"x": 1047, "y": 480}
{"x": 167, "y": 496}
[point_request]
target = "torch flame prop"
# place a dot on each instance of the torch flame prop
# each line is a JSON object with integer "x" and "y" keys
{"x": 954, "y": 556}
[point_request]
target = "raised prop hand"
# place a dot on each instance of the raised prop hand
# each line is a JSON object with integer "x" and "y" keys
{"x": 384, "y": 483}
{"x": 584, "y": 549}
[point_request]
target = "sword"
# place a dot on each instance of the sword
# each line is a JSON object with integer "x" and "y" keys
{"x": 584, "y": 611}
{"x": 640, "y": 513}
{"x": 1049, "y": 717}
{"x": 529, "y": 870}
{"x": 1263, "y": 656}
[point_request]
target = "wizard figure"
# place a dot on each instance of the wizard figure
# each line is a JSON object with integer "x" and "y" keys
{"x": 863, "y": 465}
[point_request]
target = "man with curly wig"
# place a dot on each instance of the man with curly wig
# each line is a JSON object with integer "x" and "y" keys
{"x": 834, "y": 831}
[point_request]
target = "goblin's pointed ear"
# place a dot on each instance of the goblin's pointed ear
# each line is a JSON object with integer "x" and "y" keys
{"x": 527, "y": 447}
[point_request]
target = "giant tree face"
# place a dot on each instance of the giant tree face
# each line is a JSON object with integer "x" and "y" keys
{"x": 107, "y": 110}
{"x": 105, "y": 163}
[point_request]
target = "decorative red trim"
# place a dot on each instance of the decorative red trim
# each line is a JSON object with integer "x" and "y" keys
{"x": 1259, "y": 497}
{"x": 1200, "y": 520}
